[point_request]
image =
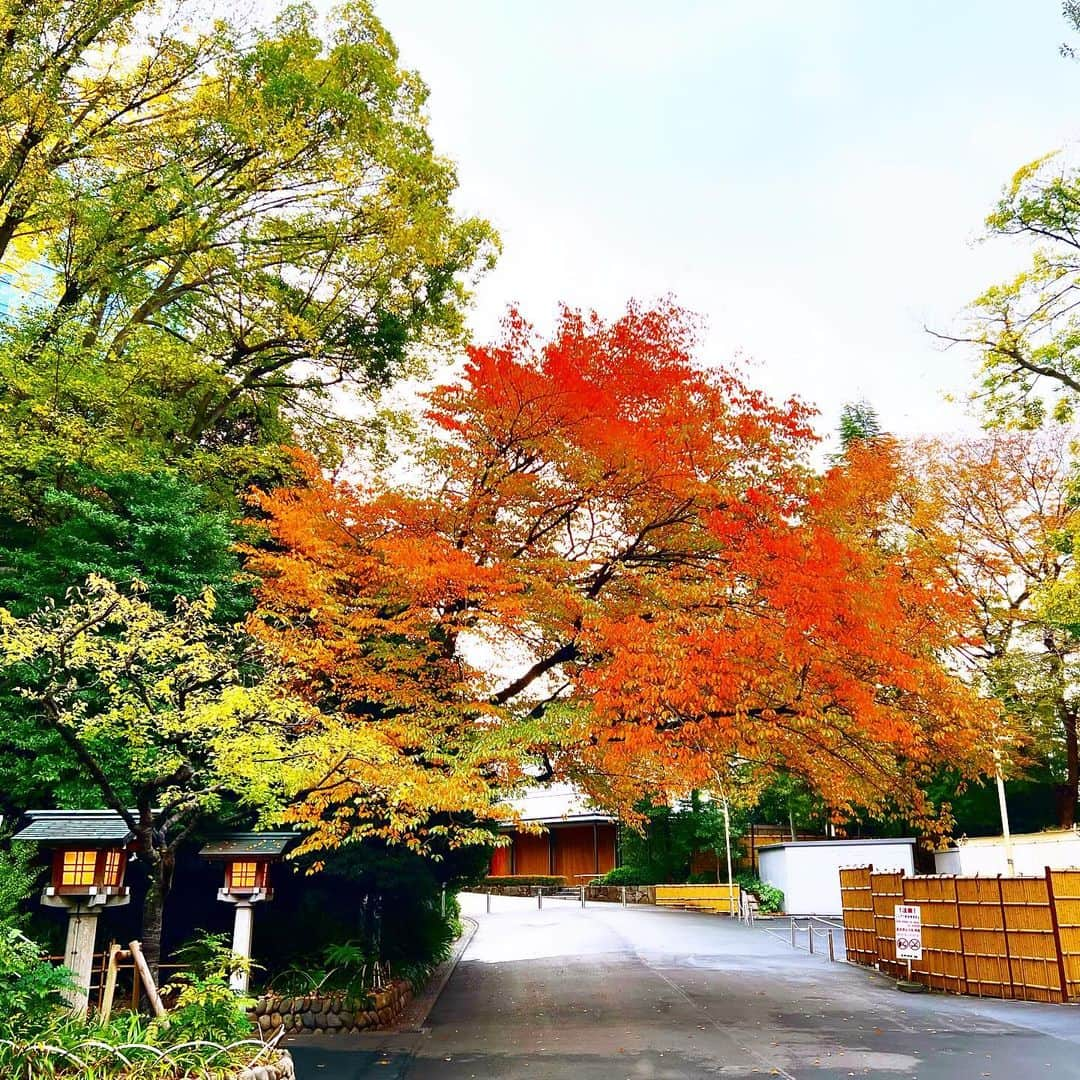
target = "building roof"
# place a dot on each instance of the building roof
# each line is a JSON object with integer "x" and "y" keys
{"x": 909, "y": 840}
{"x": 266, "y": 845}
{"x": 554, "y": 804}
{"x": 96, "y": 828}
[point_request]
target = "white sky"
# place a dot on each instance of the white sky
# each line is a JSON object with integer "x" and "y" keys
{"x": 810, "y": 177}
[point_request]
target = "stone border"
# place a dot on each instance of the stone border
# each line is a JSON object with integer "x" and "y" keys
{"x": 613, "y": 894}
{"x": 282, "y": 1069}
{"x": 300, "y": 1014}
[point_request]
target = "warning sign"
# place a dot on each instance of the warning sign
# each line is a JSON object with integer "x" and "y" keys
{"x": 908, "y": 931}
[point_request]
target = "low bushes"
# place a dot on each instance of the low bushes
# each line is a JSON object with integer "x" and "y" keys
{"x": 546, "y": 880}
{"x": 628, "y": 875}
{"x": 770, "y": 898}
{"x": 207, "y": 1035}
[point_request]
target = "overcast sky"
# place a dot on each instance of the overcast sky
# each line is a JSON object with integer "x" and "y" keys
{"x": 812, "y": 178}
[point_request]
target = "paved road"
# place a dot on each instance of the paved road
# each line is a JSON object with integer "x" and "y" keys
{"x": 645, "y": 994}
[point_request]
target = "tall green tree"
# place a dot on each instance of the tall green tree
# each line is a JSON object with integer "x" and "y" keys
{"x": 213, "y": 232}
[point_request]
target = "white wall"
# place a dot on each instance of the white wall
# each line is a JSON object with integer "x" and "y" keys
{"x": 1032, "y": 853}
{"x": 809, "y": 872}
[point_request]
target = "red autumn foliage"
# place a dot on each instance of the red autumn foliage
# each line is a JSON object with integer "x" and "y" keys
{"x": 619, "y": 564}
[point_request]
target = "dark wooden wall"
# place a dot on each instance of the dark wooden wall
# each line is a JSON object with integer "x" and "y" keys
{"x": 566, "y": 850}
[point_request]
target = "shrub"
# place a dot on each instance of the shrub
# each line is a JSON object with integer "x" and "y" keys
{"x": 770, "y": 898}
{"x": 206, "y": 1006}
{"x": 629, "y": 875}
{"x": 550, "y": 880}
{"x": 31, "y": 989}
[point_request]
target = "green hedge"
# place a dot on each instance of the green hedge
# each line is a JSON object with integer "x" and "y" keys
{"x": 770, "y": 898}
{"x": 628, "y": 875}
{"x": 527, "y": 879}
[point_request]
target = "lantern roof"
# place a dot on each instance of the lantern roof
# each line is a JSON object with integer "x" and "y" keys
{"x": 91, "y": 828}
{"x": 260, "y": 845}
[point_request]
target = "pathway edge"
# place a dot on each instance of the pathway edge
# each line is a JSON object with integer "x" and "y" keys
{"x": 420, "y": 1007}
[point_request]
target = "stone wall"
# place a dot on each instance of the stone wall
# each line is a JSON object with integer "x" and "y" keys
{"x": 281, "y": 1068}
{"x": 635, "y": 894}
{"x": 330, "y": 1013}
{"x": 514, "y": 890}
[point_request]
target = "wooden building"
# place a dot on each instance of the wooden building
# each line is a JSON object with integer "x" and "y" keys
{"x": 577, "y": 842}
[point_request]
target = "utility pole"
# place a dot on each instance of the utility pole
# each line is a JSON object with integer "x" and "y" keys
{"x": 1004, "y": 808}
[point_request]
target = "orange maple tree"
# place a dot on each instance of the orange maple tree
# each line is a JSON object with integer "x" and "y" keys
{"x": 1000, "y": 513}
{"x": 617, "y": 565}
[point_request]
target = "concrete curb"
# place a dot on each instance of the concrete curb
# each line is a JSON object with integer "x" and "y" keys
{"x": 416, "y": 1013}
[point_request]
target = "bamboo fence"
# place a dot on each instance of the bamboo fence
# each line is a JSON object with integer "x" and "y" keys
{"x": 1003, "y": 937}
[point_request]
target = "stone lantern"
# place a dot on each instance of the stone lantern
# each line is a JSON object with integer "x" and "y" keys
{"x": 90, "y": 850}
{"x": 247, "y": 857}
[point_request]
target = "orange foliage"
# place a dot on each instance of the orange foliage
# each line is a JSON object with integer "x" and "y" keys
{"x": 622, "y": 567}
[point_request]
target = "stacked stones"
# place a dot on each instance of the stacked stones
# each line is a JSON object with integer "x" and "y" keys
{"x": 635, "y": 894}
{"x": 281, "y": 1069}
{"x": 331, "y": 1013}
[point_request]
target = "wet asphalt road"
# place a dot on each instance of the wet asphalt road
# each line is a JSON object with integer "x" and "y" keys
{"x": 644, "y": 994}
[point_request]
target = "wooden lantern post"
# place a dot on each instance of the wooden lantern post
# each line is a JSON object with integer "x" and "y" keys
{"x": 247, "y": 858}
{"x": 90, "y": 850}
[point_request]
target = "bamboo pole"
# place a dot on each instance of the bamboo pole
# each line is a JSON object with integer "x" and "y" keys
{"x": 109, "y": 991}
{"x": 1057, "y": 934}
{"x": 143, "y": 969}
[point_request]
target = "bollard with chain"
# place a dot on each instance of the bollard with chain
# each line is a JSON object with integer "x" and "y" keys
{"x": 793, "y": 933}
{"x": 810, "y": 934}
{"x": 832, "y": 948}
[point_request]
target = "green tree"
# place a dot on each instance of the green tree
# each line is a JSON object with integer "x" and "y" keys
{"x": 167, "y": 715}
{"x": 154, "y": 527}
{"x": 858, "y": 421}
{"x": 1026, "y": 329}
{"x": 214, "y": 233}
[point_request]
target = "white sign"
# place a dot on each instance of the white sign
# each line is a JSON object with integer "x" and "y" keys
{"x": 908, "y": 931}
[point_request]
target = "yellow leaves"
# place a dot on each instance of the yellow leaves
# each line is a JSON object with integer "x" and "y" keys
{"x": 181, "y": 701}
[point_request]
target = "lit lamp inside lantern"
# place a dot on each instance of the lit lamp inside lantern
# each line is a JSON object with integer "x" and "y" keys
{"x": 88, "y": 871}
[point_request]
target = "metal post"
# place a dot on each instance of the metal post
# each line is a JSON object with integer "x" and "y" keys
{"x": 582, "y": 895}
{"x": 442, "y": 902}
{"x": 488, "y": 894}
{"x": 539, "y": 896}
{"x": 793, "y": 932}
{"x": 810, "y": 935}
{"x": 624, "y": 896}
{"x": 832, "y": 947}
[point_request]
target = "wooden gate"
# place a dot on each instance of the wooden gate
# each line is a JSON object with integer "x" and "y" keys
{"x": 982, "y": 937}
{"x": 1030, "y": 940}
{"x": 887, "y": 890}
{"x": 860, "y": 940}
{"x": 1063, "y": 887}
{"x": 941, "y": 966}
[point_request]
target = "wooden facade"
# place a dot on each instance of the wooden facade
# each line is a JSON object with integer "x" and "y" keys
{"x": 570, "y": 850}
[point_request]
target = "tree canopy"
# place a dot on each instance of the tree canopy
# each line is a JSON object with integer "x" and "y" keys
{"x": 212, "y": 231}
{"x": 619, "y": 563}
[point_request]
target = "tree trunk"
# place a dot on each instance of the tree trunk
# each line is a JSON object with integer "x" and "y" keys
{"x": 153, "y": 913}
